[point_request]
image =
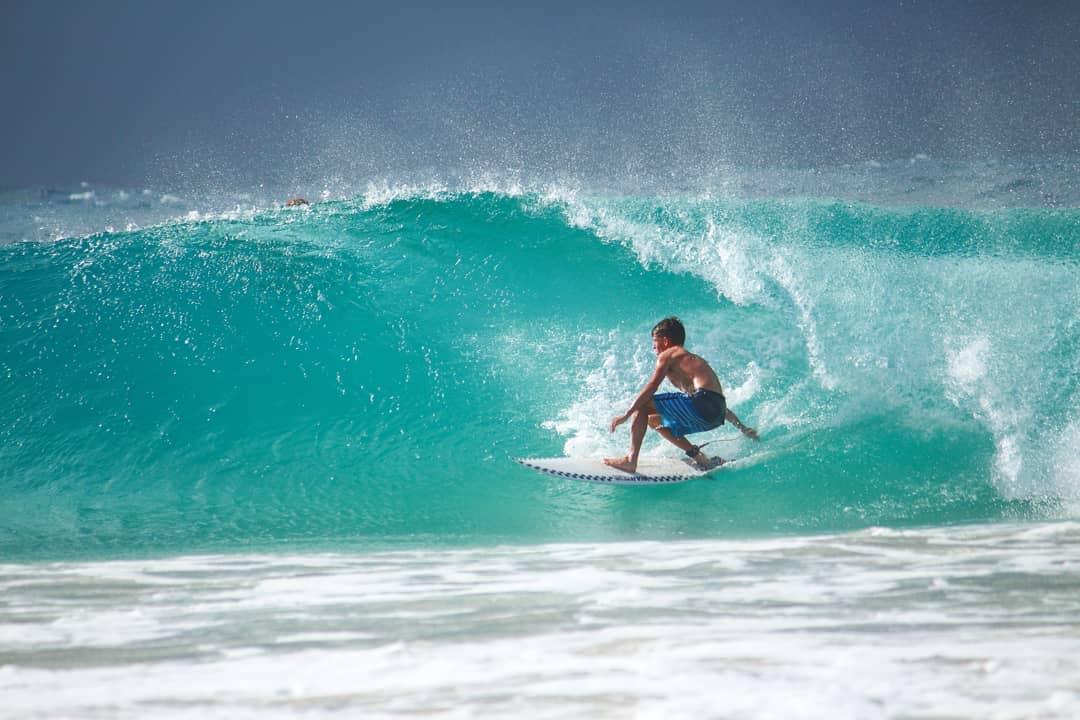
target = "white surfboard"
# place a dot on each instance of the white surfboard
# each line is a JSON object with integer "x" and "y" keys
{"x": 650, "y": 470}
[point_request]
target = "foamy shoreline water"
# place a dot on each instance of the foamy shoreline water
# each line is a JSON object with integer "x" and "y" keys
{"x": 977, "y": 621}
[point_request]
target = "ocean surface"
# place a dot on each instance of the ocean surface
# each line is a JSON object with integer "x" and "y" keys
{"x": 256, "y": 460}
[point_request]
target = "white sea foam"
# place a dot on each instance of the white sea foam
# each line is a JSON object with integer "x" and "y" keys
{"x": 607, "y": 384}
{"x": 384, "y": 193}
{"x": 978, "y": 622}
{"x": 786, "y": 278}
{"x": 1066, "y": 465}
{"x": 731, "y": 261}
{"x": 995, "y": 369}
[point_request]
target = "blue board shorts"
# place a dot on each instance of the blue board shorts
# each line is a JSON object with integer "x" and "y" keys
{"x": 684, "y": 414}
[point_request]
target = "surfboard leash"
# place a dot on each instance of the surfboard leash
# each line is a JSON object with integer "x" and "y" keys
{"x": 695, "y": 449}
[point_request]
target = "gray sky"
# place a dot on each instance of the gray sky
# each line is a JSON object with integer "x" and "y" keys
{"x": 132, "y": 92}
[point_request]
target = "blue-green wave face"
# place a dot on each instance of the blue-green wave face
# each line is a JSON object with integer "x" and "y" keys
{"x": 364, "y": 371}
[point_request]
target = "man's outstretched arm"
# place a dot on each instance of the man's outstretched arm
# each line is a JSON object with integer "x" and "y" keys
{"x": 747, "y": 431}
{"x": 645, "y": 396}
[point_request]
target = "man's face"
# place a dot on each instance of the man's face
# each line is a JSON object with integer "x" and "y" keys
{"x": 660, "y": 343}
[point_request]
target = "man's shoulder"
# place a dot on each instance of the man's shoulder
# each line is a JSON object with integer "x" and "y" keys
{"x": 679, "y": 351}
{"x": 673, "y": 356}
{"x": 672, "y": 353}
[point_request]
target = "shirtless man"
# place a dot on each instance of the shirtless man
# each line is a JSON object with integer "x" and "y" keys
{"x": 699, "y": 407}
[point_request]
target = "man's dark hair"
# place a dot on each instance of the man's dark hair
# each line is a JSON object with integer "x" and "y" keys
{"x": 672, "y": 329}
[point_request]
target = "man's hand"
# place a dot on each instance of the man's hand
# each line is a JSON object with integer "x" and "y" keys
{"x": 747, "y": 431}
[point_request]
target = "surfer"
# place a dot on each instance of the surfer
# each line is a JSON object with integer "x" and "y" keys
{"x": 699, "y": 407}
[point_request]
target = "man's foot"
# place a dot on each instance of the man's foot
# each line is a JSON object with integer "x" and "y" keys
{"x": 703, "y": 462}
{"x": 621, "y": 463}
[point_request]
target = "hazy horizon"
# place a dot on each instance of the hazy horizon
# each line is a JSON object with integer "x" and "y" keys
{"x": 129, "y": 93}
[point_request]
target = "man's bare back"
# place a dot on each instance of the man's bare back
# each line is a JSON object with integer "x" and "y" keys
{"x": 687, "y": 371}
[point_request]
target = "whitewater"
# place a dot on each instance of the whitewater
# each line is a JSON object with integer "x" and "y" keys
{"x": 256, "y": 460}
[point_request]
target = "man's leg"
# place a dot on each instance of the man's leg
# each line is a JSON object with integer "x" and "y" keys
{"x": 700, "y": 459}
{"x": 639, "y": 423}
{"x": 648, "y": 417}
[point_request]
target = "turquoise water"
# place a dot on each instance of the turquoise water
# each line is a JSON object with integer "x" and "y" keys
{"x": 361, "y": 372}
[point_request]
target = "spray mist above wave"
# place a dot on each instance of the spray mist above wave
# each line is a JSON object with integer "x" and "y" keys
{"x": 50, "y": 213}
